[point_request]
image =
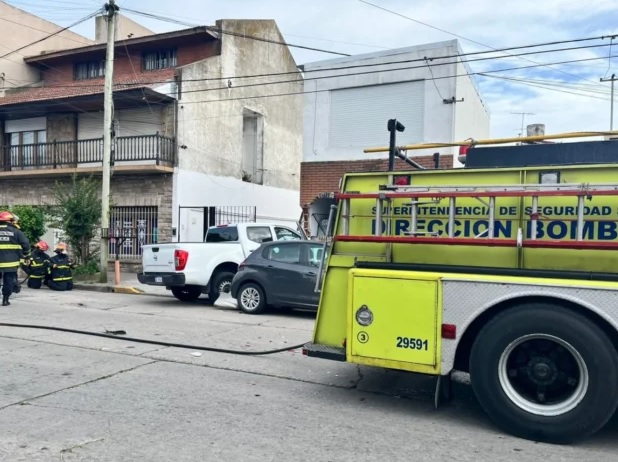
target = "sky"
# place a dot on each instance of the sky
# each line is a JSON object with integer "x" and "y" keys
{"x": 567, "y": 97}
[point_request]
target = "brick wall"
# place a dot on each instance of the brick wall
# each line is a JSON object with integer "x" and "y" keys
{"x": 317, "y": 177}
{"x": 128, "y": 64}
{"x": 127, "y": 190}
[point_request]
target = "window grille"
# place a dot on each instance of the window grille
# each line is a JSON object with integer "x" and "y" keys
{"x": 130, "y": 229}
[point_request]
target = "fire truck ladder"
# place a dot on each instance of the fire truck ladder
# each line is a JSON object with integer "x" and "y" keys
{"x": 385, "y": 197}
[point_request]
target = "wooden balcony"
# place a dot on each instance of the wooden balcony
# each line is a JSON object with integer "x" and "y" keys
{"x": 130, "y": 154}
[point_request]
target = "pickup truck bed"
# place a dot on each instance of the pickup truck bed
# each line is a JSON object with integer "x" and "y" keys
{"x": 195, "y": 268}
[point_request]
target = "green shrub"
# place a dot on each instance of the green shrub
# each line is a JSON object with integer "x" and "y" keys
{"x": 77, "y": 211}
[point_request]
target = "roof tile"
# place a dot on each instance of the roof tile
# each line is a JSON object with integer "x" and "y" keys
{"x": 85, "y": 87}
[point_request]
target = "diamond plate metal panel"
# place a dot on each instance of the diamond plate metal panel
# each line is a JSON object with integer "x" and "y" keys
{"x": 464, "y": 301}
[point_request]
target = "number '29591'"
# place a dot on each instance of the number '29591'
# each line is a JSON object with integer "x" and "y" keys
{"x": 412, "y": 343}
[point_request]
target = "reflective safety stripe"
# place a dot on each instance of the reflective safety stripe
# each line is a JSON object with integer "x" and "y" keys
{"x": 10, "y": 247}
{"x": 9, "y": 264}
{"x": 62, "y": 279}
{"x": 63, "y": 267}
{"x": 33, "y": 276}
{"x": 36, "y": 265}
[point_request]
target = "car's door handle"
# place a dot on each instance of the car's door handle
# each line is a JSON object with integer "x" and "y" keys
{"x": 270, "y": 266}
{"x": 310, "y": 273}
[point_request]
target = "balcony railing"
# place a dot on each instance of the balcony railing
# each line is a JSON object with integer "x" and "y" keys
{"x": 145, "y": 149}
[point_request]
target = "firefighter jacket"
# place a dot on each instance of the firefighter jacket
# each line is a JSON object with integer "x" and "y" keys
{"x": 60, "y": 268}
{"x": 39, "y": 264}
{"x": 14, "y": 245}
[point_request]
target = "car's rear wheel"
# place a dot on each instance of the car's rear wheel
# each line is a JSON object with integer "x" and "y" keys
{"x": 187, "y": 293}
{"x": 251, "y": 299}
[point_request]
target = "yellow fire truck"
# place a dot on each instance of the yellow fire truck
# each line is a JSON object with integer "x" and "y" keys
{"x": 507, "y": 273}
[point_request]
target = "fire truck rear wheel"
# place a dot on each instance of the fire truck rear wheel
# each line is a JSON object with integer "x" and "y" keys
{"x": 546, "y": 373}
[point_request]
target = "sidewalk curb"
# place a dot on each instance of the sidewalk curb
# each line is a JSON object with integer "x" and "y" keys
{"x": 108, "y": 289}
{"x": 93, "y": 288}
{"x": 113, "y": 289}
{"x": 127, "y": 290}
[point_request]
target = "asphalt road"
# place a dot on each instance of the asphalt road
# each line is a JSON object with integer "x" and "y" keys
{"x": 66, "y": 397}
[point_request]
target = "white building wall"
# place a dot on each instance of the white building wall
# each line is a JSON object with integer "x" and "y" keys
{"x": 275, "y": 205}
{"x": 21, "y": 28}
{"x": 210, "y": 125}
{"x": 404, "y": 65}
{"x": 471, "y": 115}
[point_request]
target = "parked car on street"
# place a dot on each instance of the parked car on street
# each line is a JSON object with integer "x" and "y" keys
{"x": 190, "y": 269}
{"x": 278, "y": 274}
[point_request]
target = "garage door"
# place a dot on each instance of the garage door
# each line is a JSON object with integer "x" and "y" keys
{"x": 130, "y": 122}
{"x": 358, "y": 116}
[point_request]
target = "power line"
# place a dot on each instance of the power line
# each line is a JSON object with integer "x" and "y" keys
{"x": 41, "y": 30}
{"x": 437, "y": 78}
{"x": 552, "y": 85}
{"x": 237, "y": 34}
{"x": 258, "y": 84}
{"x": 465, "y": 38}
{"x": 370, "y": 65}
{"x": 91, "y": 15}
{"x": 484, "y": 74}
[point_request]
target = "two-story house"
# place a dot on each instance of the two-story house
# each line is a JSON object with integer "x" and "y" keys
{"x": 190, "y": 148}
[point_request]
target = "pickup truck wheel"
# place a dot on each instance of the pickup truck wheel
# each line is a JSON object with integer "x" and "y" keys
{"x": 187, "y": 293}
{"x": 251, "y": 299}
{"x": 221, "y": 283}
{"x": 546, "y": 373}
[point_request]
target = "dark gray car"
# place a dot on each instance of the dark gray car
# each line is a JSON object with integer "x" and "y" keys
{"x": 280, "y": 273}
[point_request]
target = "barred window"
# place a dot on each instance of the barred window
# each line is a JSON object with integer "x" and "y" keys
{"x": 89, "y": 70}
{"x": 130, "y": 229}
{"x": 161, "y": 59}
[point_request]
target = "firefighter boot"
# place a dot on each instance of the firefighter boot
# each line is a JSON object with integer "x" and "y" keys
{"x": 5, "y": 300}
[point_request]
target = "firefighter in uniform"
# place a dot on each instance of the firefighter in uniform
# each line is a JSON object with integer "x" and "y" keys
{"x": 39, "y": 265}
{"x": 60, "y": 274}
{"x": 14, "y": 245}
{"x": 22, "y": 261}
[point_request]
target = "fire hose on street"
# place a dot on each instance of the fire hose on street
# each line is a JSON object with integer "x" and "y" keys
{"x": 115, "y": 335}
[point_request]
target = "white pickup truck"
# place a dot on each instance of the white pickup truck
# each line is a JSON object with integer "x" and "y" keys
{"x": 192, "y": 269}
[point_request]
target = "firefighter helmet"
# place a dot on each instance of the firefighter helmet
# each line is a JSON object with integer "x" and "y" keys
{"x": 60, "y": 247}
{"x": 6, "y": 216}
{"x": 42, "y": 245}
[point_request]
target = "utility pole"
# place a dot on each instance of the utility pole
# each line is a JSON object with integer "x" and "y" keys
{"x": 108, "y": 106}
{"x": 612, "y": 79}
{"x": 522, "y": 114}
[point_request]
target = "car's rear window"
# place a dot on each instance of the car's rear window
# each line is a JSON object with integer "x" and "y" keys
{"x": 222, "y": 234}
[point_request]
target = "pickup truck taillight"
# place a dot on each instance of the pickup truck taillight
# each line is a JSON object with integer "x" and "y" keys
{"x": 242, "y": 265}
{"x": 180, "y": 259}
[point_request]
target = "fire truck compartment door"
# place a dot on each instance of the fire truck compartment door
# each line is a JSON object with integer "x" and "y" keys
{"x": 393, "y": 320}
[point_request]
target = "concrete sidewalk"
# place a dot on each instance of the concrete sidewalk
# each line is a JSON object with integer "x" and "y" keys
{"x": 128, "y": 285}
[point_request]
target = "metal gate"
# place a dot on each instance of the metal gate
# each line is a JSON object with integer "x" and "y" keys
{"x": 194, "y": 221}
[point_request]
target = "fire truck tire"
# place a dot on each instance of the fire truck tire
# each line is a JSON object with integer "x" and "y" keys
{"x": 546, "y": 373}
{"x": 251, "y": 299}
{"x": 187, "y": 293}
